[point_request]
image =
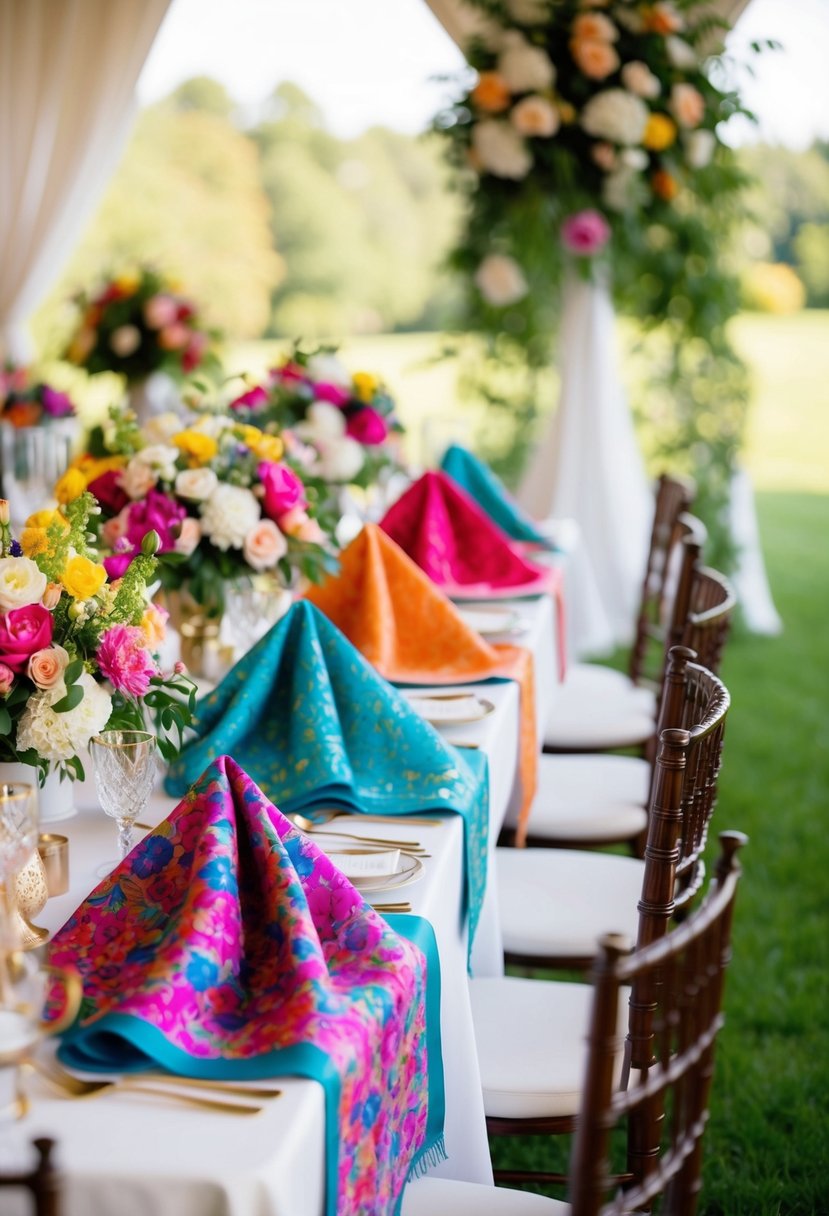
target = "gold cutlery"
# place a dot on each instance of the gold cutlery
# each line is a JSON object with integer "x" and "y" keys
{"x": 325, "y": 816}
{"x": 374, "y": 842}
{"x": 74, "y": 1087}
{"x": 390, "y": 908}
{"x": 457, "y": 743}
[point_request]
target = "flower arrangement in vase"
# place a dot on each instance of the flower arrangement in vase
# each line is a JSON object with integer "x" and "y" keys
{"x": 223, "y": 496}
{"x": 78, "y": 650}
{"x": 348, "y": 420}
{"x": 27, "y": 401}
{"x": 136, "y": 324}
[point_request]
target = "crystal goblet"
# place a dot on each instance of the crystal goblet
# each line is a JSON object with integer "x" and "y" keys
{"x": 125, "y": 770}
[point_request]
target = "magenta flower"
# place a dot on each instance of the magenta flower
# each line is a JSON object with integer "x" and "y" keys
{"x": 585, "y": 233}
{"x": 283, "y": 488}
{"x": 158, "y": 512}
{"x": 107, "y": 490}
{"x": 125, "y": 661}
{"x": 289, "y": 373}
{"x": 22, "y": 632}
{"x": 251, "y": 400}
{"x": 56, "y": 404}
{"x": 117, "y": 565}
{"x": 334, "y": 394}
{"x": 367, "y": 426}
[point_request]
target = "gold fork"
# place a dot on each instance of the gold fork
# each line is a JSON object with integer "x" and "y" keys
{"x": 74, "y": 1087}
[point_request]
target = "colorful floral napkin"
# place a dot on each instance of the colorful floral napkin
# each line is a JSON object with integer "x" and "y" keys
{"x": 227, "y": 945}
{"x": 412, "y": 634}
{"x": 447, "y": 534}
{"x": 315, "y": 726}
{"x": 491, "y": 495}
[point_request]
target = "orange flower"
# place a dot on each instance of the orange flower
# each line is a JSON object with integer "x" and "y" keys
{"x": 594, "y": 26}
{"x": 664, "y": 185}
{"x": 22, "y": 413}
{"x": 595, "y": 58}
{"x": 491, "y": 93}
{"x": 662, "y": 19}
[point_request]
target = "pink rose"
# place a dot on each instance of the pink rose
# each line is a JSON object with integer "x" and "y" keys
{"x": 334, "y": 394}
{"x": 46, "y": 667}
{"x": 6, "y": 679}
{"x": 160, "y": 310}
{"x": 298, "y": 523}
{"x": 194, "y": 351}
{"x": 585, "y": 233}
{"x": 189, "y": 536}
{"x": 367, "y": 426}
{"x": 264, "y": 545}
{"x": 250, "y": 400}
{"x": 23, "y": 631}
{"x": 108, "y": 491}
{"x": 125, "y": 661}
{"x": 283, "y": 488}
{"x": 291, "y": 373}
{"x": 173, "y": 337}
{"x": 158, "y": 512}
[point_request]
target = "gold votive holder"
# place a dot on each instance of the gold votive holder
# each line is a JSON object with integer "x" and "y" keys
{"x": 54, "y": 853}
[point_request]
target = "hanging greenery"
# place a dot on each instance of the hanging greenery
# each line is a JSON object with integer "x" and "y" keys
{"x": 588, "y": 140}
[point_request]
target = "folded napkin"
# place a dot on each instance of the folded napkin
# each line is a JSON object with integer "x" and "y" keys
{"x": 226, "y": 945}
{"x": 491, "y": 495}
{"x": 456, "y": 543}
{"x": 315, "y": 725}
{"x": 412, "y": 634}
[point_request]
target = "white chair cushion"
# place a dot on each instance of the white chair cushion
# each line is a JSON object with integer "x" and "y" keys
{"x": 584, "y": 719}
{"x": 592, "y": 797}
{"x": 530, "y": 1037}
{"x": 443, "y": 1197}
{"x": 561, "y": 901}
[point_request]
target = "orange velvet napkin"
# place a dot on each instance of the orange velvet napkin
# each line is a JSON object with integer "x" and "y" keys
{"x": 412, "y": 634}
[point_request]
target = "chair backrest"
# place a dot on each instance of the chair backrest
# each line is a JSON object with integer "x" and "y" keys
{"x": 708, "y": 620}
{"x": 42, "y": 1181}
{"x": 673, "y": 497}
{"x": 665, "y": 1108}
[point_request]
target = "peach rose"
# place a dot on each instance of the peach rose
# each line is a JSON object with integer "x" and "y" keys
{"x": 298, "y": 523}
{"x": 687, "y": 105}
{"x": 596, "y": 59}
{"x": 640, "y": 80}
{"x": 491, "y": 93}
{"x": 535, "y": 116}
{"x": 663, "y": 18}
{"x": 264, "y": 545}
{"x": 137, "y": 479}
{"x": 604, "y": 155}
{"x": 189, "y": 536}
{"x": 154, "y": 625}
{"x": 595, "y": 26}
{"x": 46, "y": 667}
{"x": 115, "y": 528}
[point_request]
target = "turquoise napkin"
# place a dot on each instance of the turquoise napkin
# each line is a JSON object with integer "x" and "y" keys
{"x": 314, "y": 725}
{"x": 480, "y": 483}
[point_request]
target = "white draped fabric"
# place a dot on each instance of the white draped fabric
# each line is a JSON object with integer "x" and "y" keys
{"x": 588, "y": 467}
{"x": 68, "y": 70}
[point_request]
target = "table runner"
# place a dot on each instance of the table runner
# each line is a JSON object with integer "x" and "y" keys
{"x": 412, "y": 634}
{"x": 491, "y": 495}
{"x": 315, "y": 725}
{"x": 226, "y": 945}
{"x": 447, "y": 534}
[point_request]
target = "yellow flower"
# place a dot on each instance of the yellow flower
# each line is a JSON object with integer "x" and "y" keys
{"x": 128, "y": 281}
{"x": 94, "y": 466}
{"x": 660, "y": 133}
{"x": 196, "y": 446}
{"x": 83, "y": 578}
{"x": 154, "y": 625}
{"x": 269, "y": 447}
{"x": 70, "y": 486}
{"x": 33, "y": 541}
{"x": 365, "y": 385}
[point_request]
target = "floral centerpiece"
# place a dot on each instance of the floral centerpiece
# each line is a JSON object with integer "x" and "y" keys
{"x": 138, "y": 323}
{"x": 26, "y": 401}
{"x": 78, "y": 650}
{"x": 348, "y": 420}
{"x": 223, "y": 496}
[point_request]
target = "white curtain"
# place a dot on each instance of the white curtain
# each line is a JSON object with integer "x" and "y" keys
{"x": 588, "y": 467}
{"x": 68, "y": 70}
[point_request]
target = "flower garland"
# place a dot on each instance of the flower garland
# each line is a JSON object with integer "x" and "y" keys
{"x": 26, "y": 401}
{"x": 591, "y": 133}
{"x": 78, "y": 652}
{"x": 223, "y": 496}
{"x": 137, "y": 324}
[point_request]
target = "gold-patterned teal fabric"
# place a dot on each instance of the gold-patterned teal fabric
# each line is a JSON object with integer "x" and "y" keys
{"x": 314, "y": 725}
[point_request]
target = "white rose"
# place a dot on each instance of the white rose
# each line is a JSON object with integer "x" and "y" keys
{"x": 264, "y": 545}
{"x": 228, "y": 516}
{"x": 196, "y": 484}
{"x": 529, "y": 12}
{"x": 125, "y": 340}
{"x": 634, "y": 158}
{"x": 501, "y": 150}
{"x": 639, "y": 79}
{"x": 500, "y": 280}
{"x": 526, "y": 69}
{"x": 160, "y": 428}
{"x": 137, "y": 479}
{"x": 328, "y": 369}
{"x": 616, "y": 115}
{"x": 680, "y": 53}
{"x": 211, "y": 424}
{"x": 535, "y": 116}
{"x": 22, "y": 583}
{"x": 699, "y": 148}
{"x": 160, "y": 456}
{"x": 323, "y": 420}
{"x": 340, "y": 459}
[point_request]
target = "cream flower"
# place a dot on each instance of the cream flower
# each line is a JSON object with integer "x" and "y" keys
{"x": 640, "y": 80}
{"x": 526, "y": 69}
{"x": 21, "y": 583}
{"x": 264, "y": 545}
{"x": 340, "y": 460}
{"x": 529, "y": 12}
{"x": 160, "y": 428}
{"x": 500, "y": 150}
{"x": 137, "y": 479}
{"x": 59, "y": 736}
{"x": 687, "y": 105}
{"x": 622, "y": 189}
{"x": 616, "y": 115}
{"x": 189, "y": 536}
{"x": 681, "y": 54}
{"x": 500, "y": 280}
{"x": 535, "y": 116}
{"x": 228, "y": 515}
{"x": 699, "y": 148}
{"x": 125, "y": 340}
{"x": 323, "y": 420}
{"x": 328, "y": 369}
{"x": 160, "y": 456}
{"x": 634, "y": 158}
{"x": 604, "y": 155}
{"x": 196, "y": 484}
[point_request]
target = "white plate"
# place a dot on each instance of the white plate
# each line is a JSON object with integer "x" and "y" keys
{"x": 408, "y": 869}
{"x": 489, "y": 621}
{"x": 450, "y": 709}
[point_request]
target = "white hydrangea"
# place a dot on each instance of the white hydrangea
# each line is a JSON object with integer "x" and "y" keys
{"x": 60, "y": 736}
{"x": 22, "y": 583}
{"x": 228, "y": 515}
{"x": 501, "y": 150}
{"x": 616, "y": 115}
{"x": 526, "y": 68}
